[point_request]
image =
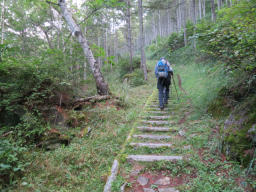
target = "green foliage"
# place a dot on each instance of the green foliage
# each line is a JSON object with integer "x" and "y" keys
{"x": 26, "y": 87}
{"x": 124, "y": 65}
{"x": 135, "y": 78}
{"x": 11, "y": 164}
{"x": 233, "y": 37}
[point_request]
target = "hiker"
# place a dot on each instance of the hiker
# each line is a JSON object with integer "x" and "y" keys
{"x": 163, "y": 72}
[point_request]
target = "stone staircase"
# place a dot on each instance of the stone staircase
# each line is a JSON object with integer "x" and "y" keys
{"x": 154, "y": 131}
{"x": 153, "y": 123}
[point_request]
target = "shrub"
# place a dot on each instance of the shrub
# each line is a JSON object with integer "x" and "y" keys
{"x": 124, "y": 65}
{"x": 11, "y": 164}
{"x": 232, "y": 39}
{"x": 136, "y": 78}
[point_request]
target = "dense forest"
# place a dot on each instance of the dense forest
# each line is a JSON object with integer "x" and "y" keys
{"x": 76, "y": 76}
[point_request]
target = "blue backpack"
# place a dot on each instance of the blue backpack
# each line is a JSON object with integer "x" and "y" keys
{"x": 162, "y": 70}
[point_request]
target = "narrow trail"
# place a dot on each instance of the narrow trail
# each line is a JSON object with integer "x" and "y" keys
{"x": 170, "y": 151}
{"x": 155, "y": 140}
{"x": 152, "y": 140}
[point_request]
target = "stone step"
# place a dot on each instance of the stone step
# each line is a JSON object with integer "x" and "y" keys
{"x": 152, "y": 158}
{"x": 151, "y": 145}
{"x": 158, "y": 109}
{"x": 154, "y": 137}
{"x": 156, "y": 122}
{"x": 158, "y": 117}
{"x": 159, "y": 129}
{"x": 158, "y": 112}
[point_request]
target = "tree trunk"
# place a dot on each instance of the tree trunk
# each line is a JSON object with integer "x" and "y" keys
{"x": 185, "y": 24}
{"x": 142, "y": 41}
{"x": 168, "y": 21}
{"x": 213, "y": 11}
{"x": 204, "y": 8}
{"x": 159, "y": 24}
{"x": 102, "y": 86}
{"x": 200, "y": 9}
{"x": 106, "y": 47}
{"x": 129, "y": 32}
{"x": 2, "y": 22}
{"x": 194, "y": 11}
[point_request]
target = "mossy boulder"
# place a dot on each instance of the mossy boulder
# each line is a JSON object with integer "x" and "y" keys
{"x": 238, "y": 133}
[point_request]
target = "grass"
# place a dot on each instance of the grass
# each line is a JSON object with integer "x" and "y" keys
{"x": 207, "y": 168}
{"x": 85, "y": 164}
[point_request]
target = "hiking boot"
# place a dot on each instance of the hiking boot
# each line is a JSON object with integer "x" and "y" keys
{"x": 161, "y": 108}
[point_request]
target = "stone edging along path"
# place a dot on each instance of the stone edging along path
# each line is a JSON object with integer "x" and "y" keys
{"x": 155, "y": 123}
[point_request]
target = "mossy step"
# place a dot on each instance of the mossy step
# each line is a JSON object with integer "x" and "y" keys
{"x": 152, "y": 158}
{"x": 158, "y": 112}
{"x": 158, "y": 117}
{"x": 160, "y": 129}
{"x": 151, "y": 145}
{"x": 158, "y": 109}
{"x": 156, "y": 122}
{"x": 153, "y": 137}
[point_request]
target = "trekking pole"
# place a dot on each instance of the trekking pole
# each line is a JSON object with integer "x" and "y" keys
{"x": 175, "y": 87}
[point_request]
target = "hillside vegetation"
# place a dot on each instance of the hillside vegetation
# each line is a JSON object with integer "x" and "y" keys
{"x": 68, "y": 99}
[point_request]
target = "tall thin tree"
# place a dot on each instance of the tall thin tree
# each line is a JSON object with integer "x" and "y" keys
{"x": 213, "y": 11}
{"x": 101, "y": 84}
{"x": 129, "y": 32}
{"x": 142, "y": 40}
{"x": 2, "y": 21}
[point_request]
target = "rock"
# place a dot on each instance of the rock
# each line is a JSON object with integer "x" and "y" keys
{"x": 182, "y": 133}
{"x": 163, "y": 181}
{"x": 142, "y": 180}
{"x": 170, "y": 189}
{"x": 148, "y": 190}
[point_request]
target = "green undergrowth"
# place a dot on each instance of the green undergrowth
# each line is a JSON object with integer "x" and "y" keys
{"x": 84, "y": 164}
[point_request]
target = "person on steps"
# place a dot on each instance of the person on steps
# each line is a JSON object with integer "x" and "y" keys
{"x": 162, "y": 71}
{"x": 168, "y": 81}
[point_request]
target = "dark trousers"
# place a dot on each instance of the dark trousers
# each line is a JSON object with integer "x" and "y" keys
{"x": 162, "y": 92}
{"x": 163, "y": 86}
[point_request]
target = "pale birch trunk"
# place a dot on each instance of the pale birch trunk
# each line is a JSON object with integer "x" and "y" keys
{"x": 129, "y": 32}
{"x": 102, "y": 86}
{"x": 98, "y": 44}
{"x": 2, "y": 22}
{"x": 142, "y": 41}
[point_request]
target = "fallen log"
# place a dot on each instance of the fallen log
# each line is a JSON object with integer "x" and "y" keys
{"x": 92, "y": 99}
